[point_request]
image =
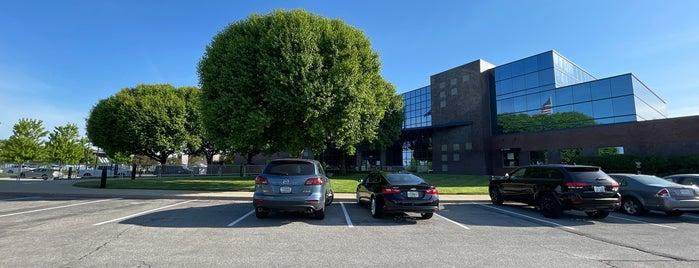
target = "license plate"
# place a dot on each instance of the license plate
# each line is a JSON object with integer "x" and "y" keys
{"x": 599, "y": 189}
{"x": 686, "y": 192}
{"x": 413, "y": 194}
{"x": 285, "y": 190}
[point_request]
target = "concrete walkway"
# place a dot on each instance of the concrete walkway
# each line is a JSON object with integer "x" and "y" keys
{"x": 65, "y": 188}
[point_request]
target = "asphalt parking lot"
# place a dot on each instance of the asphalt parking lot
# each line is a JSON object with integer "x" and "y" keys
{"x": 54, "y": 231}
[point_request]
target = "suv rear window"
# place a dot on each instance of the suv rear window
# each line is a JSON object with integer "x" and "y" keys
{"x": 588, "y": 174}
{"x": 290, "y": 168}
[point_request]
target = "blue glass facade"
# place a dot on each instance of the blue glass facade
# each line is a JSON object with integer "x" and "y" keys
{"x": 548, "y": 83}
{"x": 418, "y": 105}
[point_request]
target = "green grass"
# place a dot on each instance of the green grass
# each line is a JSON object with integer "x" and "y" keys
{"x": 446, "y": 184}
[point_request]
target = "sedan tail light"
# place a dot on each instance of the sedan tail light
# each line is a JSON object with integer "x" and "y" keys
{"x": 314, "y": 181}
{"x": 663, "y": 193}
{"x": 576, "y": 185}
{"x": 261, "y": 180}
{"x": 385, "y": 190}
{"x": 432, "y": 191}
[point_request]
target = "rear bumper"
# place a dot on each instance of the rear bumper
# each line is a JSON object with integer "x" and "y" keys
{"x": 589, "y": 204}
{"x": 418, "y": 206}
{"x": 314, "y": 201}
{"x": 670, "y": 204}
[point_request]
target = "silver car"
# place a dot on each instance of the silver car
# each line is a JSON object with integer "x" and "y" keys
{"x": 292, "y": 185}
{"x": 641, "y": 193}
{"x": 44, "y": 173}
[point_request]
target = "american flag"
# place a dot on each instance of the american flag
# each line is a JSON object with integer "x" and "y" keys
{"x": 547, "y": 108}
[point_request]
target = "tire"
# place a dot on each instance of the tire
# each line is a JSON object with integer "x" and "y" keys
{"x": 550, "y": 207}
{"x": 495, "y": 196}
{"x": 45, "y": 177}
{"x": 674, "y": 213}
{"x": 632, "y": 206}
{"x": 376, "y": 207}
{"x": 329, "y": 197}
{"x": 598, "y": 214}
{"x": 261, "y": 214}
{"x": 426, "y": 215}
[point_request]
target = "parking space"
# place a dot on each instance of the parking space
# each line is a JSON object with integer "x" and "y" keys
{"x": 90, "y": 232}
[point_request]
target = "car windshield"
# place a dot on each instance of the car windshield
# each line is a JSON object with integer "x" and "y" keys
{"x": 404, "y": 179}
{"x": 290, "y": 168}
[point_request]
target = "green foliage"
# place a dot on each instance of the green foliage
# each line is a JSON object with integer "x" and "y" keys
{"x": 289, "y": 81}
{"x": 148, "y": 120}
{"x": 65, "y": 145}
{"x": 26, "y": 143}
{"x": 198, "y": 144}
{"x": 654, "y": 164}
{"x": 391, "y": 124}
{"x": 570, "y": 156}
{"x": 516, "y": 123}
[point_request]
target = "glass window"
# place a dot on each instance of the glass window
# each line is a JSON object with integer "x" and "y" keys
{"x": 621, "y": 85}
{"x": 581, "y": 92}
{"x": 545, "y": 60}
{"x": 531, "y": 64}
{"x": 518, "y": 83}
{"x": 546, "y": 77}
{"x": 622, "y": 119}
{"x": 603, "y": 108}
{"x": 564, "y": 96}
{"x": 520, "y": 104}
{"x": 506, "y": 106}
{"x": 534, "y": 101}
{"x": 623, "y": 105}
{"x": 517, "y": 68}
{"x": 585, "y": 108}
{"x": 504, "y": 86}
{"x": 531, "y": 80}
{"x": 600, "y": 89}
{"x": 503, "y": 72}
{"x": 563, "y": 108}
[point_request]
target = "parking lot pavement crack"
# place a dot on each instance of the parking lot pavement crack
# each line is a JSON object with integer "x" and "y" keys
{"x": 103, "y": 245}
{"x": 620, "y": 244}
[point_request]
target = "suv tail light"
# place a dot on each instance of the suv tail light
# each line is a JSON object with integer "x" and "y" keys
{"x": 432, "y": 191}
{"x": 314, "y": 181}
{"x": 385, "y": 190}
{"x": 261, "y": 180}
{"x": 576, "y": 185}
{"x": 663, "y": 193}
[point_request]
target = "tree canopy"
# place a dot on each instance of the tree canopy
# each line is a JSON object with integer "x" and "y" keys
{"x": 148, "y": 120}
{"x": 26, "y": 143}
{"x": 289, "y": 81}
{"x": 65, "y": 145}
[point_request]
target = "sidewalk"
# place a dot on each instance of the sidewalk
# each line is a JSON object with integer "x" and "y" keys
{"x": 65, "y": 188}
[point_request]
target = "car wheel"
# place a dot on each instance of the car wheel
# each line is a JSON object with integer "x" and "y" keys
{"x": 674, "y": 213}
{"x": 376, "y": 208}
{"x": 549, "y": 206}
{"x": 261, "y": 214}
{"x": 632, "y": 206}
{"x": 495, "y": 196}
{"x": 426, "y": 215}
{"x": 598, "y": 214}
{"x": 45, "y": 177}
{"x": 329, "y": 196}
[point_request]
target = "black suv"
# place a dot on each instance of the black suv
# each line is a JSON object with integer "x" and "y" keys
{"x": 554, "y": 188}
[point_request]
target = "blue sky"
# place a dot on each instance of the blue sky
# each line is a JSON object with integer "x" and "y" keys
{"x": 59, "y": 58}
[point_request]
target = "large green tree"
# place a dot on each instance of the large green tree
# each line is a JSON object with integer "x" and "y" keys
{"x": 65, "y": 145}
{"x": 199, "y": 144}
{"x": 26, "y": 143}
{"x": 291, "y": 80}
{"x": 149, "y": 120}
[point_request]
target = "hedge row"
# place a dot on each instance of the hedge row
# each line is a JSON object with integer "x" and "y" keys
{"x": 654, "y": 164}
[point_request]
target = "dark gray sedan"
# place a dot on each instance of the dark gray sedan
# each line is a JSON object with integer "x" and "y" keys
{"x": 642, "y": 193}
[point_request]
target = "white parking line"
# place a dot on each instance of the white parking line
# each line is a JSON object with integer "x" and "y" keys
{"x": 241, "y": 218}
{"x": 347, "y": 218}
{"x": 45, "y": 209}
{"x": 449, "y": 220}
{"x": 637, "y": 221}
{"x": 525, "y": 216}
{"x": 21, "y": 198}
{"x": 144, "y": 212}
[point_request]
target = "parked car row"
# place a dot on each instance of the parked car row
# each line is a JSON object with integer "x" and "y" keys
{"x": 302, "y": 185}
{"x": 555, "y": 188}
